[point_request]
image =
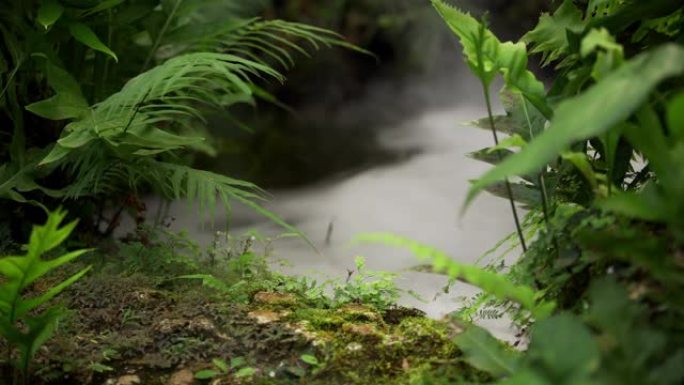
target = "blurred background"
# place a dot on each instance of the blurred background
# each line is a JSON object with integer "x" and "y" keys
{"x": 339, "y": 99}
{"x": 370, "y": 143}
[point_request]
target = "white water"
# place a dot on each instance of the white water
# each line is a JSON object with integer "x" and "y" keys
{"x": 419, "y": 198}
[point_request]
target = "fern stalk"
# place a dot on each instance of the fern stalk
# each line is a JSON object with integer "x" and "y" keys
{"x": 509, "y": 190}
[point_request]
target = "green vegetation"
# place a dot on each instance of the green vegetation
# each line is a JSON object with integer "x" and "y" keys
{"x": 102, "y": 102}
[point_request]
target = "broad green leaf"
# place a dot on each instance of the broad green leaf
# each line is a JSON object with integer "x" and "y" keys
{"x": 49, "y": 12}
{"x": 549, "y": 37}
{"x": 85, "y": 35}
{"x": 486, "y": 353}
{"x": 590, "y": 114}
{"x": 675, "y": 117}
{"x": 491, "y": 283}
{"x": 59, "y": 107}
{"x": 487, "y": 56}
{"x": 69, "y": 102}
{"x": 565, "y": 348}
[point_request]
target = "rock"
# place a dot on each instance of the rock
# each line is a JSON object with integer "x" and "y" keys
{"x": 182, "y": 377}
{"x": 364, "y": 330}
{"x": 267, "y": 316}
{"x": 128, "y": 379}
{"x": 271, "y": 298}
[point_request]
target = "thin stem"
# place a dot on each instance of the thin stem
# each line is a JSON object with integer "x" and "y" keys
{"x": 509, "y": 190}
{"x": 161, "y": 34}
{"x": 542, "y": 183}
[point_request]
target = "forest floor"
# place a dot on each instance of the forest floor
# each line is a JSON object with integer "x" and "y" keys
{"x": 128, "y": 328}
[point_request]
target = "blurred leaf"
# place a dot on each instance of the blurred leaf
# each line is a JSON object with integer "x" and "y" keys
{"x": 675, "y": 117}
{"x": 206, "y": 374}
{"x": 491, "y": 283}
{"x": 564, "y": 349}
{"x": 486, "y": 353}
{"x": 245, "y": 372}
{"x": 49, "y": 12}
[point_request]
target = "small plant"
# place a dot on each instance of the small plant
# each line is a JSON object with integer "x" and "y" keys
{"x": 25, "y": 322}
{"x": 221, "y": 368}
{"x": 312, "y": 361}
{"x": 375, "y": 288}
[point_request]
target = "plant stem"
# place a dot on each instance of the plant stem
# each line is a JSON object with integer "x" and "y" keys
{"x": 509, "y": 191}
{"x": 161, "y": 34}
{"x": 542, "y": 183}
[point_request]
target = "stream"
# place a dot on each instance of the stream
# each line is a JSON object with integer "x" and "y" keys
{"x": 418, "y": 197}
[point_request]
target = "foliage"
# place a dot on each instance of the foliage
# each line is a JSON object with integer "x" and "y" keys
{"x": 118, "y": 93}
{"x": 603, "y": 150}
{"x": 25, "y": 321}
{"x": 376, "y": 288}
{"x": 490, "y": 282}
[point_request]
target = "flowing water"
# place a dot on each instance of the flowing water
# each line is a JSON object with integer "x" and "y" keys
{"x": 419, "y": 197}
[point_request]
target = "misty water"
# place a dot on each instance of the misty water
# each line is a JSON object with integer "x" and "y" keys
{"x": 418, "y": 197}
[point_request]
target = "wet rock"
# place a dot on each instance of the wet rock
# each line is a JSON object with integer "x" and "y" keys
{"x": 127, "y": 379}
{"x": 271, "y": 298}
{"x": 182, "y": 377}
{"x": 267, "y": 316}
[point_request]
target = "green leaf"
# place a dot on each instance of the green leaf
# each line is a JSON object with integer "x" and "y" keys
{"x": 237, "y": 361}
{"x": 206, "y": 374}
{"x": 49, "y": 12}
{"x": 222, "y": 365}
{"x": 59, "y": 107}
{"x": 245, "y": 372}
{"x": 675, "y": 117}
{"x": 487, "y": 56}
{"x": 486, "y": 353}
{"x": 590, "y": 114}
{"x": 549, "y": 37}
{"x": 491, "y": 283}
{"x": 565, "y": 348}
{"x": 310, "y": 359}
{"x": 85, "y": 35}
{"x": 68, "y": 103}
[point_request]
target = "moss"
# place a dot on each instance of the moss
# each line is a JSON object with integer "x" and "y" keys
{"x": 128, "y": 323}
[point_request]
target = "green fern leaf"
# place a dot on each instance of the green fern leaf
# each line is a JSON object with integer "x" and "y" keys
{"x": 491, "y": 283}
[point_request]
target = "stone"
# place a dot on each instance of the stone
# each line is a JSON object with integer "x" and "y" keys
{"x": 128, "y": 379}
{"x": 266, "y": 316}
{"x": 182, "y": 377}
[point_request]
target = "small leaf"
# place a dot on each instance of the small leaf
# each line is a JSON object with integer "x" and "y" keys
{"x": 85, "y": 35}
{"x": 237, "y": 361}
{"x": 310, "y": 359}
{"x": 219, "y": 363}
{"x": 245, "y": 372}
{"x": 49, "y": 12}
{"x": 206, "y": 374}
